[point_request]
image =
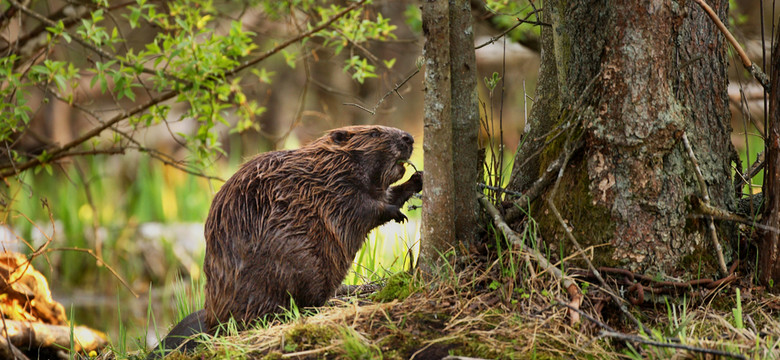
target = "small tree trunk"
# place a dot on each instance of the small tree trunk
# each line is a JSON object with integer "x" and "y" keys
{"x": 769, "y": 246}
{"x": 450, "y": 207}
{"x": 465, "y": 120}
{"x": 438, "y": 216}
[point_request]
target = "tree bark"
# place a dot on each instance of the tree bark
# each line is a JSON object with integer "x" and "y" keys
{"x": 450, "y": 207}
{"x": 438, "y": 216}
{"x": 633, "y": 76}
{"x": 769, "y": 245}
{"x": 465, "y": 120}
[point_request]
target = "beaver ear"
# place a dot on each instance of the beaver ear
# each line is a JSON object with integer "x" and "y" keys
{"x": 340, "y": 136}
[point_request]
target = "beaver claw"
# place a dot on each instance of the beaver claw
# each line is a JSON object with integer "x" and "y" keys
{"x": 416, "y": 181}
{"x": 394, "y": 213}
{"x": 400, "y": 218}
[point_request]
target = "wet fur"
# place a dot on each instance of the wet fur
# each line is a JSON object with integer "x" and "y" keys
{"x": 289, "y": 223}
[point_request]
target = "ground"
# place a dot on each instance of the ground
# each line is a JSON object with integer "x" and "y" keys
{"x": 507, "y": 308}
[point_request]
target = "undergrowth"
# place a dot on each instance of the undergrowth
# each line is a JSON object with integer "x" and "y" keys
{"x": 474, "y": 307}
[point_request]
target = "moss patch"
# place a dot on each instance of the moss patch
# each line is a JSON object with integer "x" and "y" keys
{"x": 398, "y": 287}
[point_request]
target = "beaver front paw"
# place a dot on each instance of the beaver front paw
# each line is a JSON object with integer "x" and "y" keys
{"x": 416, "y": 181}
{"x": 394, "y": 213}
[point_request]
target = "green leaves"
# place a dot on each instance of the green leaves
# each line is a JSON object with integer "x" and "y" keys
{"x": 360, "y": 68}
{"x": 356, "y": 29}
{"x": 191, "y": 55}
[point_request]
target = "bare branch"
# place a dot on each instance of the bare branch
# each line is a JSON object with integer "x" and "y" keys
{"x": 706, "y": 198}
{"x": 749, "y": 65}
{"x": 541, "y": 259}
{"x": 372, "y": 111}
{"x": 507, "y": 31}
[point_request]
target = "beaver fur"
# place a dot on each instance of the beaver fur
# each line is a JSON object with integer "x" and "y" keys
{"x": 288, "y": 224}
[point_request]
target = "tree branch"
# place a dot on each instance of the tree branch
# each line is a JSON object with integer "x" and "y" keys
{"x": 372, "y": 111}
{"x": 706, "y": 199}
{"x": 166, "y": 95}
{"x": 749, "y": 65}
{"x": 88, "y": 45}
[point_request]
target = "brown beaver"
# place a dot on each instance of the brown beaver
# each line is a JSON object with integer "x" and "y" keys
{"x": 289, "y": 223}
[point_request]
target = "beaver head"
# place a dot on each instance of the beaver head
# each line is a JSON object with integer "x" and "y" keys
{"x": 380, "y": 151}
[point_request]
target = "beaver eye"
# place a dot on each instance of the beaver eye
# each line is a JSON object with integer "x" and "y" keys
{"x": 374, "y": 134}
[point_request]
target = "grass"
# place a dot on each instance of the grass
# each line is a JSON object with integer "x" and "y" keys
{"x": 454, "y": 310}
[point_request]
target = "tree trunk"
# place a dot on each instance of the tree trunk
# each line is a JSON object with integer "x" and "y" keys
{"x": 633, "y": 77}
{"x": 769, "y": 246}
{"x": 450, "y": 208}
{"x": 465, "y": 120}
{"x": 438, "y": 216}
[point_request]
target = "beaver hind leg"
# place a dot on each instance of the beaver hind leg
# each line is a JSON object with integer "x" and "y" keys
{"x": 179, "y": 336}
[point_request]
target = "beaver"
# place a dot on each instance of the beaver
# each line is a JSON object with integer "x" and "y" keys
{"x": 288, "y": 224}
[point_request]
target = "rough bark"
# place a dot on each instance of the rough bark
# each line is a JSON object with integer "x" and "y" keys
{"x": 546, "y": 109}
{"x": 450, "y": 207}
{"x": 662, "y": 69}
{"x": 769, "y": 245}
{"x": 465, "y": 120}
{"x": 438, "y": 216}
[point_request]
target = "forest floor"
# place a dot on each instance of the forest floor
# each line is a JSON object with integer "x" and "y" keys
{"x": 484, "y": 309}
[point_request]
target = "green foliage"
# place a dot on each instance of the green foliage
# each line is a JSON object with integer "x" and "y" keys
{"x": 355, "y": 346}
{"x": 398, "y": 286}
{"x": 194, "y": 56}
{"x": 492, "y": 82}
{"x": 413, "y": 17}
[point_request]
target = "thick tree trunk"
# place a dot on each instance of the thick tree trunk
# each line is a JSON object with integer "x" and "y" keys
{"x": 634, "y": 76}
{"x": 450, "y": 208}
{"x": 769, "y": 246}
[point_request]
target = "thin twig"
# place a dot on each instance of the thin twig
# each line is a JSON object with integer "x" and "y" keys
{"x": 751, "y": 172}
{"x": 567, "y": 231}
{"x": 585, "y": 315}
{"x": 593, "y": 270}
{"x": 538, "y": 186}
{"x": 695, "y": 349}
{"x": 84, "y": 43}
{"x": 394, "y": 90}
{"x": 749, "y": 65}
{"x": 706, "y": 200}
{"x": 97, "y": 258}
{"x": 541, "y": 259}
{"x": 507, "y": 31}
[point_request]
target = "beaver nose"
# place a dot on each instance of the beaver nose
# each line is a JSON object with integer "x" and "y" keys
{"x": 407, "y": 139}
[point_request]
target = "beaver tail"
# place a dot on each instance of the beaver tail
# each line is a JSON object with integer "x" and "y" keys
{"x": 179, "y": 336}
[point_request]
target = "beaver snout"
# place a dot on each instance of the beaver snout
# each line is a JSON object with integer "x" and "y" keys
{"x": 404, "y": 147}
{"x": 408, "y": 139}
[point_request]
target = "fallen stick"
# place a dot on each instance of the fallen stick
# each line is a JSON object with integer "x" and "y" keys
{"x": 27, "y": 335}
{"x": 696, "y": 349}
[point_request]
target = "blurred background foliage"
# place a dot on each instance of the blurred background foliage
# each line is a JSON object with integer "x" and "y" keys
{"x": 186, "y": 90}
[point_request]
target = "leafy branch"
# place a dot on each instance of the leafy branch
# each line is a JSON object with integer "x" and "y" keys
{"x": 203, "y": 101}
